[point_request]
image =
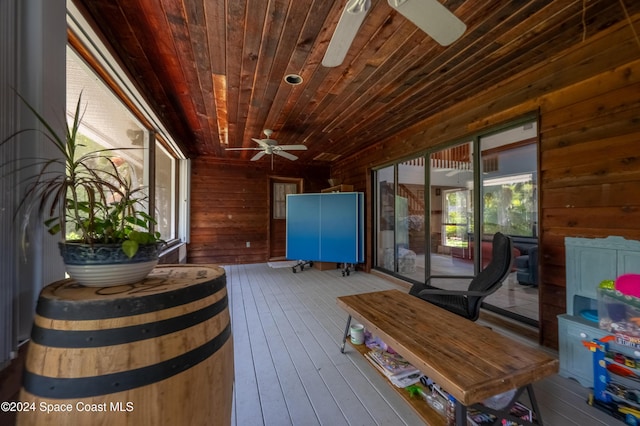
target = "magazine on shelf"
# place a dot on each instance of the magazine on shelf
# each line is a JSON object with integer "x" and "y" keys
{"x": 394, "y": 364}
{"x": 477, "y": 418}
{"x": 399, "y": 372}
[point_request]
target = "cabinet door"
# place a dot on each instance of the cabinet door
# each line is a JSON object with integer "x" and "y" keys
{"x": 586, "y": 268}
{"x": 628, "y": 262}
{"x": 576, "y": 361}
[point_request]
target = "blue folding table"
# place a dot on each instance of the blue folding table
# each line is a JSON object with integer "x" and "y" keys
{"x": 327, "y": 227}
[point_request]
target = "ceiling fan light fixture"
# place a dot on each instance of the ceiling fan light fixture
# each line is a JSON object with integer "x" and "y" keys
{"x": 352, "y": 17}
{"x": 431, "y": 17}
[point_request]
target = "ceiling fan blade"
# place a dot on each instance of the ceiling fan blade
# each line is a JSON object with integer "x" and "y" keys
{"x": 293, "y": 147}
{"x": 258, "y": 156}
{"x": 242, "y": 149}
{"x": 431, "y": 17}
{"x": 285, "y": 155}
{"x": 262, "y": 142}
{"x": 352, "y": 17}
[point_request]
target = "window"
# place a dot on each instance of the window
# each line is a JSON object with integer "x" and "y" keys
{"x": 509, "y": 182}
{"x": 116, "y": 116}
{"x": 106, "y": 123}
{"x": 509, "y": 205}
{"x": 457, "y": 227}
{"x": 280, "y": 192}
{"x": 165, "y": 193}
{"x": 110, "y": 123}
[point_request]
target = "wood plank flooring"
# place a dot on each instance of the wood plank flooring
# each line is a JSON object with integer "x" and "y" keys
{"x": 289, "y": 369}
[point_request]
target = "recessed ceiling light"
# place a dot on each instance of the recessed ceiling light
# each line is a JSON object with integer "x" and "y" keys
{"x": 293, "y": 79}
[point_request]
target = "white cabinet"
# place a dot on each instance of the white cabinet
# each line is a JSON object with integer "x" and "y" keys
{"x": 586, "y": 268}
{"x": 589, "y": 261}
{"x": 629, "y": 261}
{"x": 576, "y": 361}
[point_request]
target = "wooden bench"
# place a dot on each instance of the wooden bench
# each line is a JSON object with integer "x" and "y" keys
{"x": 469, "y": 361}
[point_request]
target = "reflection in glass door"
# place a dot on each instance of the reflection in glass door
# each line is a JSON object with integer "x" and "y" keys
{"x": 410, "y": 219}
{"x": 510, "y": 205}
{"x": 385, "y": 236}
{"x": 485, "y": 185}
{"x": 452, "y": 209}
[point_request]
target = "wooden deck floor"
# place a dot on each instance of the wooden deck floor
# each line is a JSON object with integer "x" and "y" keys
{"x": 289, "y": 369}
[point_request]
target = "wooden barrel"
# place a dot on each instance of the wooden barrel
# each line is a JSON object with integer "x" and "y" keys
{"x": 158, "y": 352}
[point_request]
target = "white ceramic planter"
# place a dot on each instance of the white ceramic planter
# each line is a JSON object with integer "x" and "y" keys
{"x": 106, "y": 265}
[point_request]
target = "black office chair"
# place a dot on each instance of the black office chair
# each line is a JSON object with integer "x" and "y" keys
{"x": 466, "y": 303}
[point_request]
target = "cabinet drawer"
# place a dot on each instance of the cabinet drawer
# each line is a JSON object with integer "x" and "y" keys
{"x": 584, "y": 332}
{"x": 576, "y": 361}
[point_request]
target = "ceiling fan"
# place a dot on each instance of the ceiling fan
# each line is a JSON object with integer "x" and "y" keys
{"x": 428, "y": 15}
{"x": 270, "y": 146}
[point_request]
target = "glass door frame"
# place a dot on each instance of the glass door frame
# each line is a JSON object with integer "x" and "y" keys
{"x": 476, "y": 196}
{"x": 474, "y": 141}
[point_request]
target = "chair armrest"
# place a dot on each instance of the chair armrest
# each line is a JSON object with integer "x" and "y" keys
{"x": 451, "y": 292}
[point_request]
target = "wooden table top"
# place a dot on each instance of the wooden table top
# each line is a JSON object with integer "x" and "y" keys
{"x": 468, "y": 360}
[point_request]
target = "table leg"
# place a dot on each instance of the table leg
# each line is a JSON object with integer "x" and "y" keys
{"x": 505, "y": 413}
{"x": 534, "y": 404}
{"x": 346, "y": 333}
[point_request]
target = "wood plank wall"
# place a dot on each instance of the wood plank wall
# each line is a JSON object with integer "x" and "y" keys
{"x": 230, "y": 206}
{"x": 588, "y": 99}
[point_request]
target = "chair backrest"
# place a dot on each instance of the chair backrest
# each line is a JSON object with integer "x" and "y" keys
{"x": 490, "y": 278}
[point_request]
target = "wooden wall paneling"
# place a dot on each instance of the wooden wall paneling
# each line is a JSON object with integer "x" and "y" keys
{"x": 589, "y": 169}
{"x": 587, "y": 136}
{"x": 554, "y": 81}
{"x": 188, "y": 66}
{"x": 302, "y": 55}
{"x": 394, "y": 74}
{"x": 230, "y": 207}
{"x": 411, "y": 86}
{"x": 497, "y": 55}
{"x": 590, "y": 172}
{"x": 613, "y": 103}
{"x": 249, "y": 60}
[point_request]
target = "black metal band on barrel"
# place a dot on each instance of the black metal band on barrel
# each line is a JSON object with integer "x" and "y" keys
{"x": 117, "y": 336}
{"x": 118, "y": 307}
{"x": 86, "y": 387}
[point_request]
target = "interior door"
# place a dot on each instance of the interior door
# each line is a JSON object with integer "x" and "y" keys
{"x": 279, "y": 189}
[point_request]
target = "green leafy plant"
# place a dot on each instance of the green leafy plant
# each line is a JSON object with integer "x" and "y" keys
{"x": 88, "y": 193}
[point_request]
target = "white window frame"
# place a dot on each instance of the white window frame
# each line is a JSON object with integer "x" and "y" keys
{"x": 100, "y": 53}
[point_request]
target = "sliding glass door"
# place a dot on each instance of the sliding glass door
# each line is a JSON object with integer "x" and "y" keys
{"x": 436, "y": 214}
{"x": 509, "y": 197}
{"x": 452, "y": 211}
{"x": 385, "y": 215}
{"x": 410, "y": 222}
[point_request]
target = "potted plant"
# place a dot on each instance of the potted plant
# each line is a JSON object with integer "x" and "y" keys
{"x": 90, "y": 199}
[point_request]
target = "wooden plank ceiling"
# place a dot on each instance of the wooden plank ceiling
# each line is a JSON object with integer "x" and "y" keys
{"x": 214, "y": 70}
